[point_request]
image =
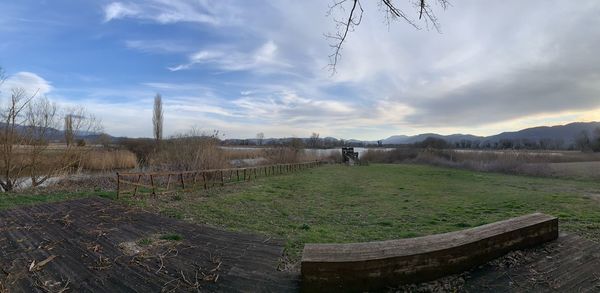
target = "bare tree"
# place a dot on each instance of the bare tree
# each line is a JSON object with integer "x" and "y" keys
{"x": 313, "y": 141}
{"x": 68, "y": 130}
{"x": 157, "y": 118}
{"x": 27, "y": 124}
{"x": 78, "y": 124}
{"x": 11, "y": 138}
{"x": 104, "y": 140}
{"x": 392, "y": 12}
{"x": 583, "y": 141}
{"x": 41, "y": 120}
{"x": 259, "y": 138}
{"x": 192, "y": 150}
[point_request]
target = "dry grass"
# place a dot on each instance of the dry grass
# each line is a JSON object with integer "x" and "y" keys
{"x": 243, "y": 153}
{"x": 87, "y": 158}
{"x": 537, "y": 163}
{"x": 288, "y": 155}
{"x": 104, "y": 160}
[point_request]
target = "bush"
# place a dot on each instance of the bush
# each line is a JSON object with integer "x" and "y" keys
{"x": 190, "y": 151}
{"x": 143, "y": 148}
{"x": 389, "y": 156}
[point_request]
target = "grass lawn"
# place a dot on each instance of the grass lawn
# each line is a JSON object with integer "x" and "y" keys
{"x": 11, "y": 200}
{"x": 350, "y": 204}
{"x": 376, "y": 202}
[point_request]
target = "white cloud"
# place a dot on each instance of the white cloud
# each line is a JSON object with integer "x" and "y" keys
{"x": 118, "y": 10}
{"x": 167, "y": 11}
{"x": 497, "y": 64}
{"x": 157, "y": 46}
{"x": 288, "y": 107}
{"x": 262, "y": 59}
{"x": 29, "y": 81}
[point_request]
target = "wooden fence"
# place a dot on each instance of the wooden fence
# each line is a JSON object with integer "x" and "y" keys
{"x": 156, "y": 183}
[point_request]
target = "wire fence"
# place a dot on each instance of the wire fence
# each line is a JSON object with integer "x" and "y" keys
{"x": 157, "y": 183}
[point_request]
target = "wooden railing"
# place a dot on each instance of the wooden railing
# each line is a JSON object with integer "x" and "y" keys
{"x": 156, "y": 183}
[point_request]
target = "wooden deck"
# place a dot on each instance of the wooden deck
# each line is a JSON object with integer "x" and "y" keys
{"x": 97, "y": 245}
{"x": 569, "y": 264}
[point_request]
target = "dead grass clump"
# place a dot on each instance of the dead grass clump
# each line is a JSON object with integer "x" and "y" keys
{"x": 390, "y": 156}
{"x": 283, "y": 155}
{"x": 244, "y": 153}
{"x": 105, "y": 160}
{"x": 527, "y": 162}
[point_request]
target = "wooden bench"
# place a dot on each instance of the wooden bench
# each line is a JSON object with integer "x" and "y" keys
{"x": 377, "y": 265}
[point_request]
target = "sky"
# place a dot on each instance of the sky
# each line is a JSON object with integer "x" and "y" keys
{"x": 244, "y": 67}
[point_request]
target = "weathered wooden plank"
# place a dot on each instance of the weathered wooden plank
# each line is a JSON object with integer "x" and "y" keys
{"x": 104, "y": 223}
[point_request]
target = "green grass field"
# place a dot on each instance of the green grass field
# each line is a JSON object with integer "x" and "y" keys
{"x": 12, "y": 200}
{"x": 350, "y": 204}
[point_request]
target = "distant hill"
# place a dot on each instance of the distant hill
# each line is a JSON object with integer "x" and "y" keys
{"x": 403, "y": 139}
{"x": 565, "y": 133}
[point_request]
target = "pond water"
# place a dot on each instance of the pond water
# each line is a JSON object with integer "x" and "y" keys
{"x": 316, "y": 152}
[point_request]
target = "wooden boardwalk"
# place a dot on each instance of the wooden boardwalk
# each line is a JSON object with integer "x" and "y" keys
{"x": 569, "y": 264}
{"x": 97, "y": 245}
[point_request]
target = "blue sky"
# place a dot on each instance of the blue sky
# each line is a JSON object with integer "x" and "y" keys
{"x": 243, "y": 67}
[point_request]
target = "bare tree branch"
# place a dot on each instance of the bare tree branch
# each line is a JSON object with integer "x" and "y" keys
{"x": 391, "y": 12}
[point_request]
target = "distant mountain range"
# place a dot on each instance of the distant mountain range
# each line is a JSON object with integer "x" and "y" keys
{"x": 566, "y": 133}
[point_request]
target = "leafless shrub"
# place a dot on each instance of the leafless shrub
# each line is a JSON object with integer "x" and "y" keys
{"x": 245, "y": 153}
{"x": 333, "y": 158}
{"x": 389, "y": 156}
{"x": 143, "y": 148}
{"x": 292, "y": 152}
{"x": 193, "y": 150}
{"x": 283, "y": 155}
{"x": 510, "y": 162}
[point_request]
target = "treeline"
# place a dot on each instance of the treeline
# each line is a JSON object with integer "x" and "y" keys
{"x": 314, "y": 142}
{"x": 584, "y": 141}
{"x": 502, "y": 144}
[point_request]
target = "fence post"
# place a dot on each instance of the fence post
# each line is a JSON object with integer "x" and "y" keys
{"x": 136, "y": 187}
{"x": 181, "y": 178}
{"x": 168, "y": 181}
{"x": 204, "y": 179}
{"x": 222, "y": 179}
{"x": 118, "y": 184}
{"x": 152, "y": 183}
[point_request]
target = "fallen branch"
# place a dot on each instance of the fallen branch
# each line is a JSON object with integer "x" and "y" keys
{"x": 36, "y": 267}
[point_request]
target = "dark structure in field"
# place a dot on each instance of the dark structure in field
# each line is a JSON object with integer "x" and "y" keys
{"x": 349, "y": 156}
{"x": 97, "y": 245}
